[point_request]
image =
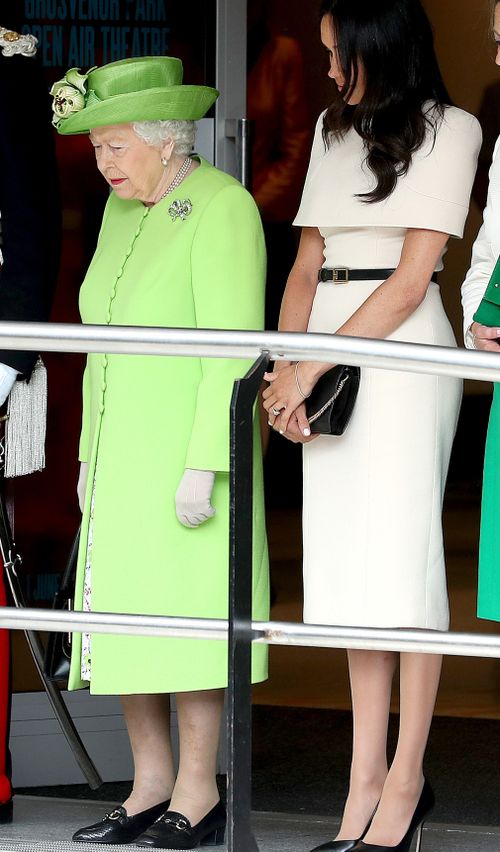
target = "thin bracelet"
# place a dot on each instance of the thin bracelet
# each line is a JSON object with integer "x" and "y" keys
{"x": 303, "y": 395}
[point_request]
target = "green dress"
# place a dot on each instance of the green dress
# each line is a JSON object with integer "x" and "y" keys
{"x": 489, "y": 556}
{"x": 147, "y": 418}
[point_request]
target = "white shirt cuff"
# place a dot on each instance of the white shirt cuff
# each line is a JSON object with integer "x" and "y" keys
{"x": 470, "y": 343}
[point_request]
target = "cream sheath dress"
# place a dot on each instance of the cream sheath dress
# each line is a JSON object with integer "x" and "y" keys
{"x": 373, "y": 545}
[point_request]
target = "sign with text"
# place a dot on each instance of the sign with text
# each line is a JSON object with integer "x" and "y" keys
{"x": 84, "y": 33}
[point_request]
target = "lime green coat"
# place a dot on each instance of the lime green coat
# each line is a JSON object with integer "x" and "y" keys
{"x": 147, "y": 418}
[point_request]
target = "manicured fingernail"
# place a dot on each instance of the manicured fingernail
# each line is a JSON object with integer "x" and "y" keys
{"x": 307, "y": 432}
{"x": 498, "y": 332}
{"x": 269, "y": 423}
{"x": 281, "y": 432}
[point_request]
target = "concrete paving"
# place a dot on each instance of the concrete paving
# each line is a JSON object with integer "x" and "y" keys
{"x": 46, "y": 825}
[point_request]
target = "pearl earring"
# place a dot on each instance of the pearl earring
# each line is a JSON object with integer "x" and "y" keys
{"x": 164, "y": 161}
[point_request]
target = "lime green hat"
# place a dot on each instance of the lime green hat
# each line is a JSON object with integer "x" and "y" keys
{"x": 145, "y": 88}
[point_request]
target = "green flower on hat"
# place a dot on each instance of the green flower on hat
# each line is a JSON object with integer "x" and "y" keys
{"x": 69, "y": 95}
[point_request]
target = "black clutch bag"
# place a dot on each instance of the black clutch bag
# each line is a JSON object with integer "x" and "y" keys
{"x": 58, "y": 651}
{"x": 332, "y": 399}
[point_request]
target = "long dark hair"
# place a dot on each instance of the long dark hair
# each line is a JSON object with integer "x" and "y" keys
{"x": 393, "y": 41}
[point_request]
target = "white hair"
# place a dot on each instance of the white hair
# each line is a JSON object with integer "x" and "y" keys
{"x": 156, "y": 133}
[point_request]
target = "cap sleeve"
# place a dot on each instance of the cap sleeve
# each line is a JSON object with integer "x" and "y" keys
{"x": 317, "y": 154}
{"x": 433, "y": 195}
{"x": 439, "y": 183}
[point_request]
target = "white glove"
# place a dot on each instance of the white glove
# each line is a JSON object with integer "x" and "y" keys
{"x": 82, "y": 484}
{"x": 192, "y": 498}
{"x": 7, "y": 378}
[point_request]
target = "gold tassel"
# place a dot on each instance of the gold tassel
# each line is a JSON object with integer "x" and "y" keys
{"x": 26, "y": 424}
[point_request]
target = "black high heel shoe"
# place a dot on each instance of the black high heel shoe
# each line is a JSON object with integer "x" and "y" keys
{"x": 174, "y": 831}
{"x": 424, "y": 806}
{"x": 343, "y": 845}
{"x": 6, "y": 812}
{"x": 118, "y": 827}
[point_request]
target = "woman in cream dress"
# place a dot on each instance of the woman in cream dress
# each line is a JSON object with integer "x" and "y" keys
{"x": 373, "y": 548}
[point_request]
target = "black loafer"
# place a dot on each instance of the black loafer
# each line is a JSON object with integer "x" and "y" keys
{"x": 118, "y": 827}
{"x": 6, "y": 812}
{"x": 174, "y": 831}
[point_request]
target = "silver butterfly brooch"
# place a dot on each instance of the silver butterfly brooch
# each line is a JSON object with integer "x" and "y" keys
{"x": 180, "y": 209}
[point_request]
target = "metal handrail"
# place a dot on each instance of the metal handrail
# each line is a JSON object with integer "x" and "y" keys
{"x": 239, "y": 630}
{"x": 263, "y": 632}
{"x": 211, "y": 343}
{"x": 393, "y": 355}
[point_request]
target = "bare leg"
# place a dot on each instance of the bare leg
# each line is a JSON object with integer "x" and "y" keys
{"x": 419, "y": 681}
{"x": 148, "y": 724}
{"x": 371, "y": 674}
{"x": 199, "y": 714}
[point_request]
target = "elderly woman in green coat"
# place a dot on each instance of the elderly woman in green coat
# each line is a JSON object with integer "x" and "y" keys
{"x": 180, "y": 245}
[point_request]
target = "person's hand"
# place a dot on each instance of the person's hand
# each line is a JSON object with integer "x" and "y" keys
{"x": 295, "y": 432}
{"x": 485, "y": 338}
{"x": 282, "y": 399}
{"x": 82, "y": 484}
{"x": 192, "y": 498}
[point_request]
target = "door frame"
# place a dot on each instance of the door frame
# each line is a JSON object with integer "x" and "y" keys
{"x": 231, "y": 81}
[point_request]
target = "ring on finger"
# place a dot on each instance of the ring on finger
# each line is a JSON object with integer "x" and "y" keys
{"x": 276, "y": 411}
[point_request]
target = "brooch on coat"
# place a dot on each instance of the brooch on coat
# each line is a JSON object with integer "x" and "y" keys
{"x": 12, "y": 43}
{"x": 180, "y": 209}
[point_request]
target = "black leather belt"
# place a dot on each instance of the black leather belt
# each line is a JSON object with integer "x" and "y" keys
{"x": 343, "y": 275}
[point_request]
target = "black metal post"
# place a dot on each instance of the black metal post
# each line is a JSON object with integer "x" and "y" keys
{"x": 240, "y": 835}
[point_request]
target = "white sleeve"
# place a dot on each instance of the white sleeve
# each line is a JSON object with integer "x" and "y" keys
{"x": 8, "y": 376}
{"x": 318, "y": 151}
{"x": 484, "y": 255}
{"x": 433, "y": 196}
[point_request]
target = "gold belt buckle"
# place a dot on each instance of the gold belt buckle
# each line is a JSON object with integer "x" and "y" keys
{"x": 341, "y": 275}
